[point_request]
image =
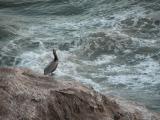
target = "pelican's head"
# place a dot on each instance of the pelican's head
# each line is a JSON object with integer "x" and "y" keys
{"x": 55, "y": 55}
{"x": 54, "y": 51}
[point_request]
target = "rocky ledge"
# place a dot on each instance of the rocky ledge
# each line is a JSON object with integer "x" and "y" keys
{"x": 25, "y": 95}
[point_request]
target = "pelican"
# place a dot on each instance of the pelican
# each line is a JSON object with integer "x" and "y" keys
{"x": 51, "y": 67}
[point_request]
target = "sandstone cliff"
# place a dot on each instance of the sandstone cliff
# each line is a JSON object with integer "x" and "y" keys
{"x": 25, "y": 95}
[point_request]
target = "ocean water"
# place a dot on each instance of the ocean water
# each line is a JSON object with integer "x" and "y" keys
{"x": 110, "y": 45}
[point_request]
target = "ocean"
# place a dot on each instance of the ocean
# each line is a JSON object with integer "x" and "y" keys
{"x": 110, "y": 45}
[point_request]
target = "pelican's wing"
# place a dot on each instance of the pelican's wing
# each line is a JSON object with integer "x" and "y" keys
{"x": 51, "y": 67}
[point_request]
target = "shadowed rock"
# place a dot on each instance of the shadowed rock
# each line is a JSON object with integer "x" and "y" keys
{"x": 25, "y": 95}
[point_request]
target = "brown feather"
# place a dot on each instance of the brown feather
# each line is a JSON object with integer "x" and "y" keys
{"x": 51, "y": 67}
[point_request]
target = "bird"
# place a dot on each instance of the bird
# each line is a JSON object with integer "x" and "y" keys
{"x": 51, "y": 67}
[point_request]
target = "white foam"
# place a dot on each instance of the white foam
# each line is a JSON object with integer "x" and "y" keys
{"x": 34, "y": 60}
{"x": 103, "y": 59}
{"x": 67, "y": 67}
{"x": 135, "y": 77}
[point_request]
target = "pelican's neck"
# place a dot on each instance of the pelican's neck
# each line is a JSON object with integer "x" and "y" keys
{"x": 55, "y": 56}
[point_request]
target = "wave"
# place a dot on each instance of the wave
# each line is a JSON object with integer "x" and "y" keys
{"x": 7, "y": 32}
{"x": 128, "y": 50}
{"x": 48, "y": 7}
{"x": 143, "y": 27}
{"x": 73, "y": 7}
{"x": 107, "y": 42}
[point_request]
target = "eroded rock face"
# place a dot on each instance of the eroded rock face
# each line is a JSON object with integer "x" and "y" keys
{"x": 25, "y": 95}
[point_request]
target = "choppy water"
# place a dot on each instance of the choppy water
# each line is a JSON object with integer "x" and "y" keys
{"x": 111, "y": 45}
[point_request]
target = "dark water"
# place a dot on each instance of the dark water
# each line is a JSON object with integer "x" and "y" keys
{"x": 112, "y": 45}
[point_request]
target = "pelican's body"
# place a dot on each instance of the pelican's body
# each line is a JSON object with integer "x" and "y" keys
{"x": 51, "y": 67}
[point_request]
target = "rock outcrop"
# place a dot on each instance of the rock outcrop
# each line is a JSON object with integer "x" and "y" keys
{"x": 25, "y": 95}
{"x": 107, "y": 42}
